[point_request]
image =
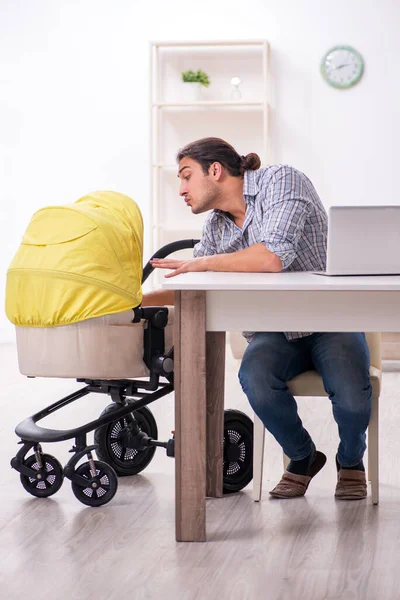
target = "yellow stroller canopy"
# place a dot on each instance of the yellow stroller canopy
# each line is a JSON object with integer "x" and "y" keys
{"x": 77, "y": 261}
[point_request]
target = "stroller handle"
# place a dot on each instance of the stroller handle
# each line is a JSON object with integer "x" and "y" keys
{"x": 165, "y": 251}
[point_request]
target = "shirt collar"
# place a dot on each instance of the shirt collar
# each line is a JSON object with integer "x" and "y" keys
{"x": 250, "y": 187}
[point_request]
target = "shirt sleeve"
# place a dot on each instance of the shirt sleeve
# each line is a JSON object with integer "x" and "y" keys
{"x": 287, "y": 208}
{"x": 206, "y": 246}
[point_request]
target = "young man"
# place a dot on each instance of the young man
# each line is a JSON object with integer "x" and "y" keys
{"x": 270, "y": 220}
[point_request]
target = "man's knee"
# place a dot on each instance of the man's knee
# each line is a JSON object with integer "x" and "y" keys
{"x": 260, "y": 374}
{"x": 259, "y": 361}
{"x": 352, "y": 396}
{"x": 256, "y": 372}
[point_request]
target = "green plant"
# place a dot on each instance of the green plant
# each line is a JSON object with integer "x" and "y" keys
{"x": 198, "y": 77}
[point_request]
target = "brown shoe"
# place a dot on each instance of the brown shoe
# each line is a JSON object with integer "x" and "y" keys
{"x": 292, "y": 485}
{"x": 351, "y": 485}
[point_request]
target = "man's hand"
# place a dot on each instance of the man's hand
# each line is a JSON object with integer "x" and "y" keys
{"x": 180, "y": 266}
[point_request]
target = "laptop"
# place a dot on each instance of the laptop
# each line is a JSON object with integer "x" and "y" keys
{"x": 363, "y": 240}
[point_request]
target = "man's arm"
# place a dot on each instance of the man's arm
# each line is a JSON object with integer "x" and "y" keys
{"x": 289, "y": 203}
{"x": 255, "y": 259}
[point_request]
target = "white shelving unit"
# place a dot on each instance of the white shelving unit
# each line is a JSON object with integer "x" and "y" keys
{"x": 175, "y": 122}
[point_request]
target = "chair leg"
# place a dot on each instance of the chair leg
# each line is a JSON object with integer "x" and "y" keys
{"x": 369, "y": 459}
{"x": 373, "y": 450}
{"x": 258, "y": 457}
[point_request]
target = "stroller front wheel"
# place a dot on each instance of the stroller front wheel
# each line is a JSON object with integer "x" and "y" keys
{"x": 102, "y": 483}
{"x": 49, "y": 476}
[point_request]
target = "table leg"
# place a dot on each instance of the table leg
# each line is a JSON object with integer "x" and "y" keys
{"x": 190, "y": 415}
{"x": 215, "y": 385}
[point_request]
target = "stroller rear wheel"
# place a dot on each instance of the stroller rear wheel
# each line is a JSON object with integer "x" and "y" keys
{"x": 238, "y": 451}
{"x": 113, "y": 442}
{"x": 49, "y": 476}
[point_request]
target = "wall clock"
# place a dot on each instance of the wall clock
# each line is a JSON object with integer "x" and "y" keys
{"x": 342, "y": 66}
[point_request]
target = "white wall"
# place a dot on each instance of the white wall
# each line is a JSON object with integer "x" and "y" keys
{"x": 74, "y": 97}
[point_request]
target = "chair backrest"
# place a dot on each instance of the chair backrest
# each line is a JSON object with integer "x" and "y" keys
{"x": 238, "y": 346}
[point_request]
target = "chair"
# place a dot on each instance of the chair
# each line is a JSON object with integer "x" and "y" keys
{"x": 310, "y": 384}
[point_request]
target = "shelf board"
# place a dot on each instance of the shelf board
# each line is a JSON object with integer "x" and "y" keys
{"x": 211, "y": 43}
{"x": 205, "y": 103}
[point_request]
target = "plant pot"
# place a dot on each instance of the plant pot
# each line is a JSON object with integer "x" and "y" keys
{"x": 192, "y": 91}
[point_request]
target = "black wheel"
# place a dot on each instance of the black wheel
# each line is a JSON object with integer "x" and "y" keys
{"x": 48, "y": 479}
{"x": 238, "y": 451}
{"x": 100, "y": 488}
{"x": 113, "y": 442}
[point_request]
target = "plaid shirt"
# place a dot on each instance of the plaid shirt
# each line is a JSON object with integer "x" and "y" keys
{"x": 283, "y": 212}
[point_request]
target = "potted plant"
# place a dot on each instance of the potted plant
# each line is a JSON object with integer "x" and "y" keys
{"x": 194, "y": 80}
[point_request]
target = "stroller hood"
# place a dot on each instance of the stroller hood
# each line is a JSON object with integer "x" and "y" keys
{"x": 77, "y": 261}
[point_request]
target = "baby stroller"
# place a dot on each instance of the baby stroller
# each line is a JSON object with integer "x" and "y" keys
{"x": 92, "y": 334}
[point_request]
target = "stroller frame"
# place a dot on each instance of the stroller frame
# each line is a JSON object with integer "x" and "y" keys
{"x": 95, "y": 482}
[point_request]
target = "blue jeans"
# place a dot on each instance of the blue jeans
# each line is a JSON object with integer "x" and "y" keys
{"x": 342, "y": 360}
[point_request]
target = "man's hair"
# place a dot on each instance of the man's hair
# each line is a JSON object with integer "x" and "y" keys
{"x": 209, "y": 150}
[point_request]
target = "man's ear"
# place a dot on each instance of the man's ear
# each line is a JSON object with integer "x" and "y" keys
{"x": 215, "y": 171}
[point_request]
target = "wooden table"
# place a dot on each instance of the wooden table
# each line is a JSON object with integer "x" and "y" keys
{"x": 209, "y": 304}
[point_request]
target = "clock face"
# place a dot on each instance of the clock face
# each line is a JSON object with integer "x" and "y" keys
{"x": 342, "y": 66}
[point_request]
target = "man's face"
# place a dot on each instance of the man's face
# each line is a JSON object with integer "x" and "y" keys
{"x": 198, "y": 189}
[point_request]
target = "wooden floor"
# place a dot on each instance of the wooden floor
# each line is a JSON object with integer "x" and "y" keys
{"x": 313, "y": 548}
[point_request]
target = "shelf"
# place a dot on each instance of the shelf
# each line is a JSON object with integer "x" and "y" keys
{"x": 205, "y": 103}
{"x": 178, "y": 116}
{"x": 234, "y": 43}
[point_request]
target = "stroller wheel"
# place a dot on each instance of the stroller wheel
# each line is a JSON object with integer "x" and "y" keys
{"x": 238, "y": 451}
{"x": 113, "y": 449}
{"x": 101, "y": 487}
{"x": 48, "y": 479}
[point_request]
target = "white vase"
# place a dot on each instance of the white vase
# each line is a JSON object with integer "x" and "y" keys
{"x": 191, "y": 91}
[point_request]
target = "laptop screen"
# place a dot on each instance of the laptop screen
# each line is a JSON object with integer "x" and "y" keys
{"x": 364, "y": 240}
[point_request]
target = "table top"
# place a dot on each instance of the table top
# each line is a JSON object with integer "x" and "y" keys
{"x": 211, "y": 280}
